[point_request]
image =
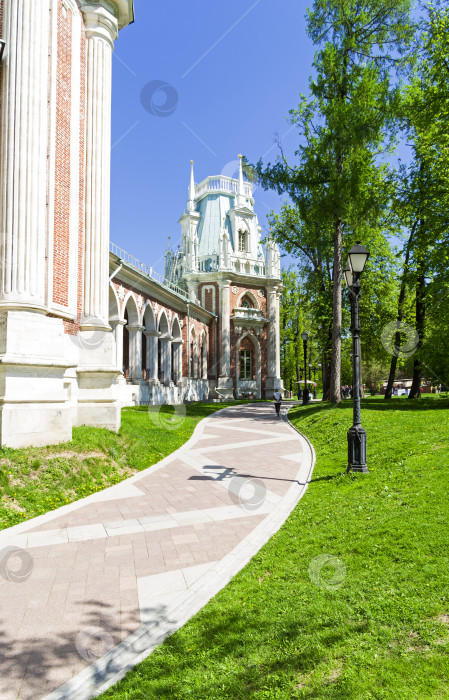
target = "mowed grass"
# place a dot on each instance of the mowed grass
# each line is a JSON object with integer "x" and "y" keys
{"x": 371, "y": 623}
{"x": 36, "y": 480}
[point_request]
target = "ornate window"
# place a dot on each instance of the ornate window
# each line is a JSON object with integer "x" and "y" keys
{"x": 245, "y": 364}
{"x": 243, "y": 241}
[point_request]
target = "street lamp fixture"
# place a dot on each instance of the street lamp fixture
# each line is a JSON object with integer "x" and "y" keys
{"x": 305, "y": 337}
{"x": 357, "y": 257}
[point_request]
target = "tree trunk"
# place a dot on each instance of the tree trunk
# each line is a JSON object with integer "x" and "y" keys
{"x": 415, "y": 391}
{"x": 335, "y": 369}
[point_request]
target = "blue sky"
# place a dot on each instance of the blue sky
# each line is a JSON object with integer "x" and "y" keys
{"x": 228, "y": 74}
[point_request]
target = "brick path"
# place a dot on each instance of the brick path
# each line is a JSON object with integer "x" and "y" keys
{"x": 88, "y": 590}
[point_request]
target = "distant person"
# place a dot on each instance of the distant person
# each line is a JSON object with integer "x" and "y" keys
{"x": 277, "y": 397}
{"x": 299, "y": 394}
{"x": 439, "y": 388}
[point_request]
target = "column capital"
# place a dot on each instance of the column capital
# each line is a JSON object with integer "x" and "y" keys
{"x": 100, "y": 23}
{"x": 152, "y": 334}
{"x": 136, "y": 328}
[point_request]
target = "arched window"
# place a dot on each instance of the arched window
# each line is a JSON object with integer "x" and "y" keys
{"x": 246, "y": 364}
{"x": 243, "y": 241}
{"x": 246, "y": 303}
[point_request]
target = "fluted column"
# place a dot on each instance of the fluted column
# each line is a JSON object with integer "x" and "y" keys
{"x": 278, "y": 338}
{"x": 23, "y": 156}
{"x": 135, "y": 351}
{"x": 272, "y": 317}
{"x": 225, "y": 330}
{"x": 117, "y": 327}
{"x": 101, "y": 32}
{"x": 151, "y": 358}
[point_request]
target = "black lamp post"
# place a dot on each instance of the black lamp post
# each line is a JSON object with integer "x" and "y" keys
{"x": 305, "y": 336}
{"x": 357, "y": 257}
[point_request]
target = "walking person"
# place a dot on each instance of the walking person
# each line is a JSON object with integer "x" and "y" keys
{"x": 277, "y": 397}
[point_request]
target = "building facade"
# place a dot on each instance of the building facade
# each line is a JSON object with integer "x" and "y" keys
{"x": 84, "y": 327}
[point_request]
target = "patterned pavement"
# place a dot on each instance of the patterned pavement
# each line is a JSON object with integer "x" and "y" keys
{"x": 90, "y": 589}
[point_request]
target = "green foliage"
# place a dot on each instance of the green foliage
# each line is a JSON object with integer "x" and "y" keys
{"x": 338, "y": 189}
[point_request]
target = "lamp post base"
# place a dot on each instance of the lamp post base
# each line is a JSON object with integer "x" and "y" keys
{"x": 357, "y": 449}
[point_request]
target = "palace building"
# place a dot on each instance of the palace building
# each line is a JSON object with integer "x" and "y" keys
{"x": 85, "y": 328}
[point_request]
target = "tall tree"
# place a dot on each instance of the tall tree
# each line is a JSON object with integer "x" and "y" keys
{"x": 422, "y": 200}
{"x": 337, "y": 185}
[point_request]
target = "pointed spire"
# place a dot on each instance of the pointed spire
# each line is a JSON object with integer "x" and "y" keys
{"x": 241, "y": 190}
{"x": 191, "y": 204}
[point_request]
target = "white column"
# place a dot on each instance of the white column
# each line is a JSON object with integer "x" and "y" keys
{"x": 23, "y": 156}
{"x": 225, "y": 330}
{"x": 272, "y": 316}
{"x": 117, "y": 327}
{"x": 278, "y": 337}
{"x": 101, "y": 31}
{"x": 135, "y": 351}
{"x": 151, "y": 358}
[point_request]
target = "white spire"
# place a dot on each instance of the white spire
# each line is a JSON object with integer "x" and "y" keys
{"x": 241, "y": 201}
{"x": 191, "y": 203}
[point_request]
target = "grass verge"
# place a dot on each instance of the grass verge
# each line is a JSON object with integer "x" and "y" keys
{"x": 39, "y": 479}
{"x": 350, "y": 599}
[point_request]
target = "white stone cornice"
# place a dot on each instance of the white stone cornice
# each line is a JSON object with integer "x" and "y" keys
{"x": 100, "y": 23}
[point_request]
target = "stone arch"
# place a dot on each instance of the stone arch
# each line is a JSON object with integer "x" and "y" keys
{"x": 148, "y": 317}
{"x": 257, "y": 363}
{"x": 163, "y": 325}
{"x": 251, "y": 296}
{"x": 130, "y": 309}
{"x": 114, "y": 304}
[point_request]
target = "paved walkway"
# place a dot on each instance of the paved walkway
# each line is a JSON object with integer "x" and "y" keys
{"x": 90, "y": 589}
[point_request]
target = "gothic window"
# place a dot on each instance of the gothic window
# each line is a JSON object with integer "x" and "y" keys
{"x": 245, "y": 364}
{"x": 243, "y": 242}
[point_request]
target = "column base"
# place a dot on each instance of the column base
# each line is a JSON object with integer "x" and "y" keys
{"x": 273, "y": 384}
{"x": 35, "y": 393}
{"x": 97, "y": 399}
{"x": 225, "y": 386}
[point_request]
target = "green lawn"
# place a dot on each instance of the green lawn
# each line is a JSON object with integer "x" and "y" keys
{"x": 371, "y": 623}
{"x": 36, "y": 480}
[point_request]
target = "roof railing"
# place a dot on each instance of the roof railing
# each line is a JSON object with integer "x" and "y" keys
{"x": 146, "y": 270}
